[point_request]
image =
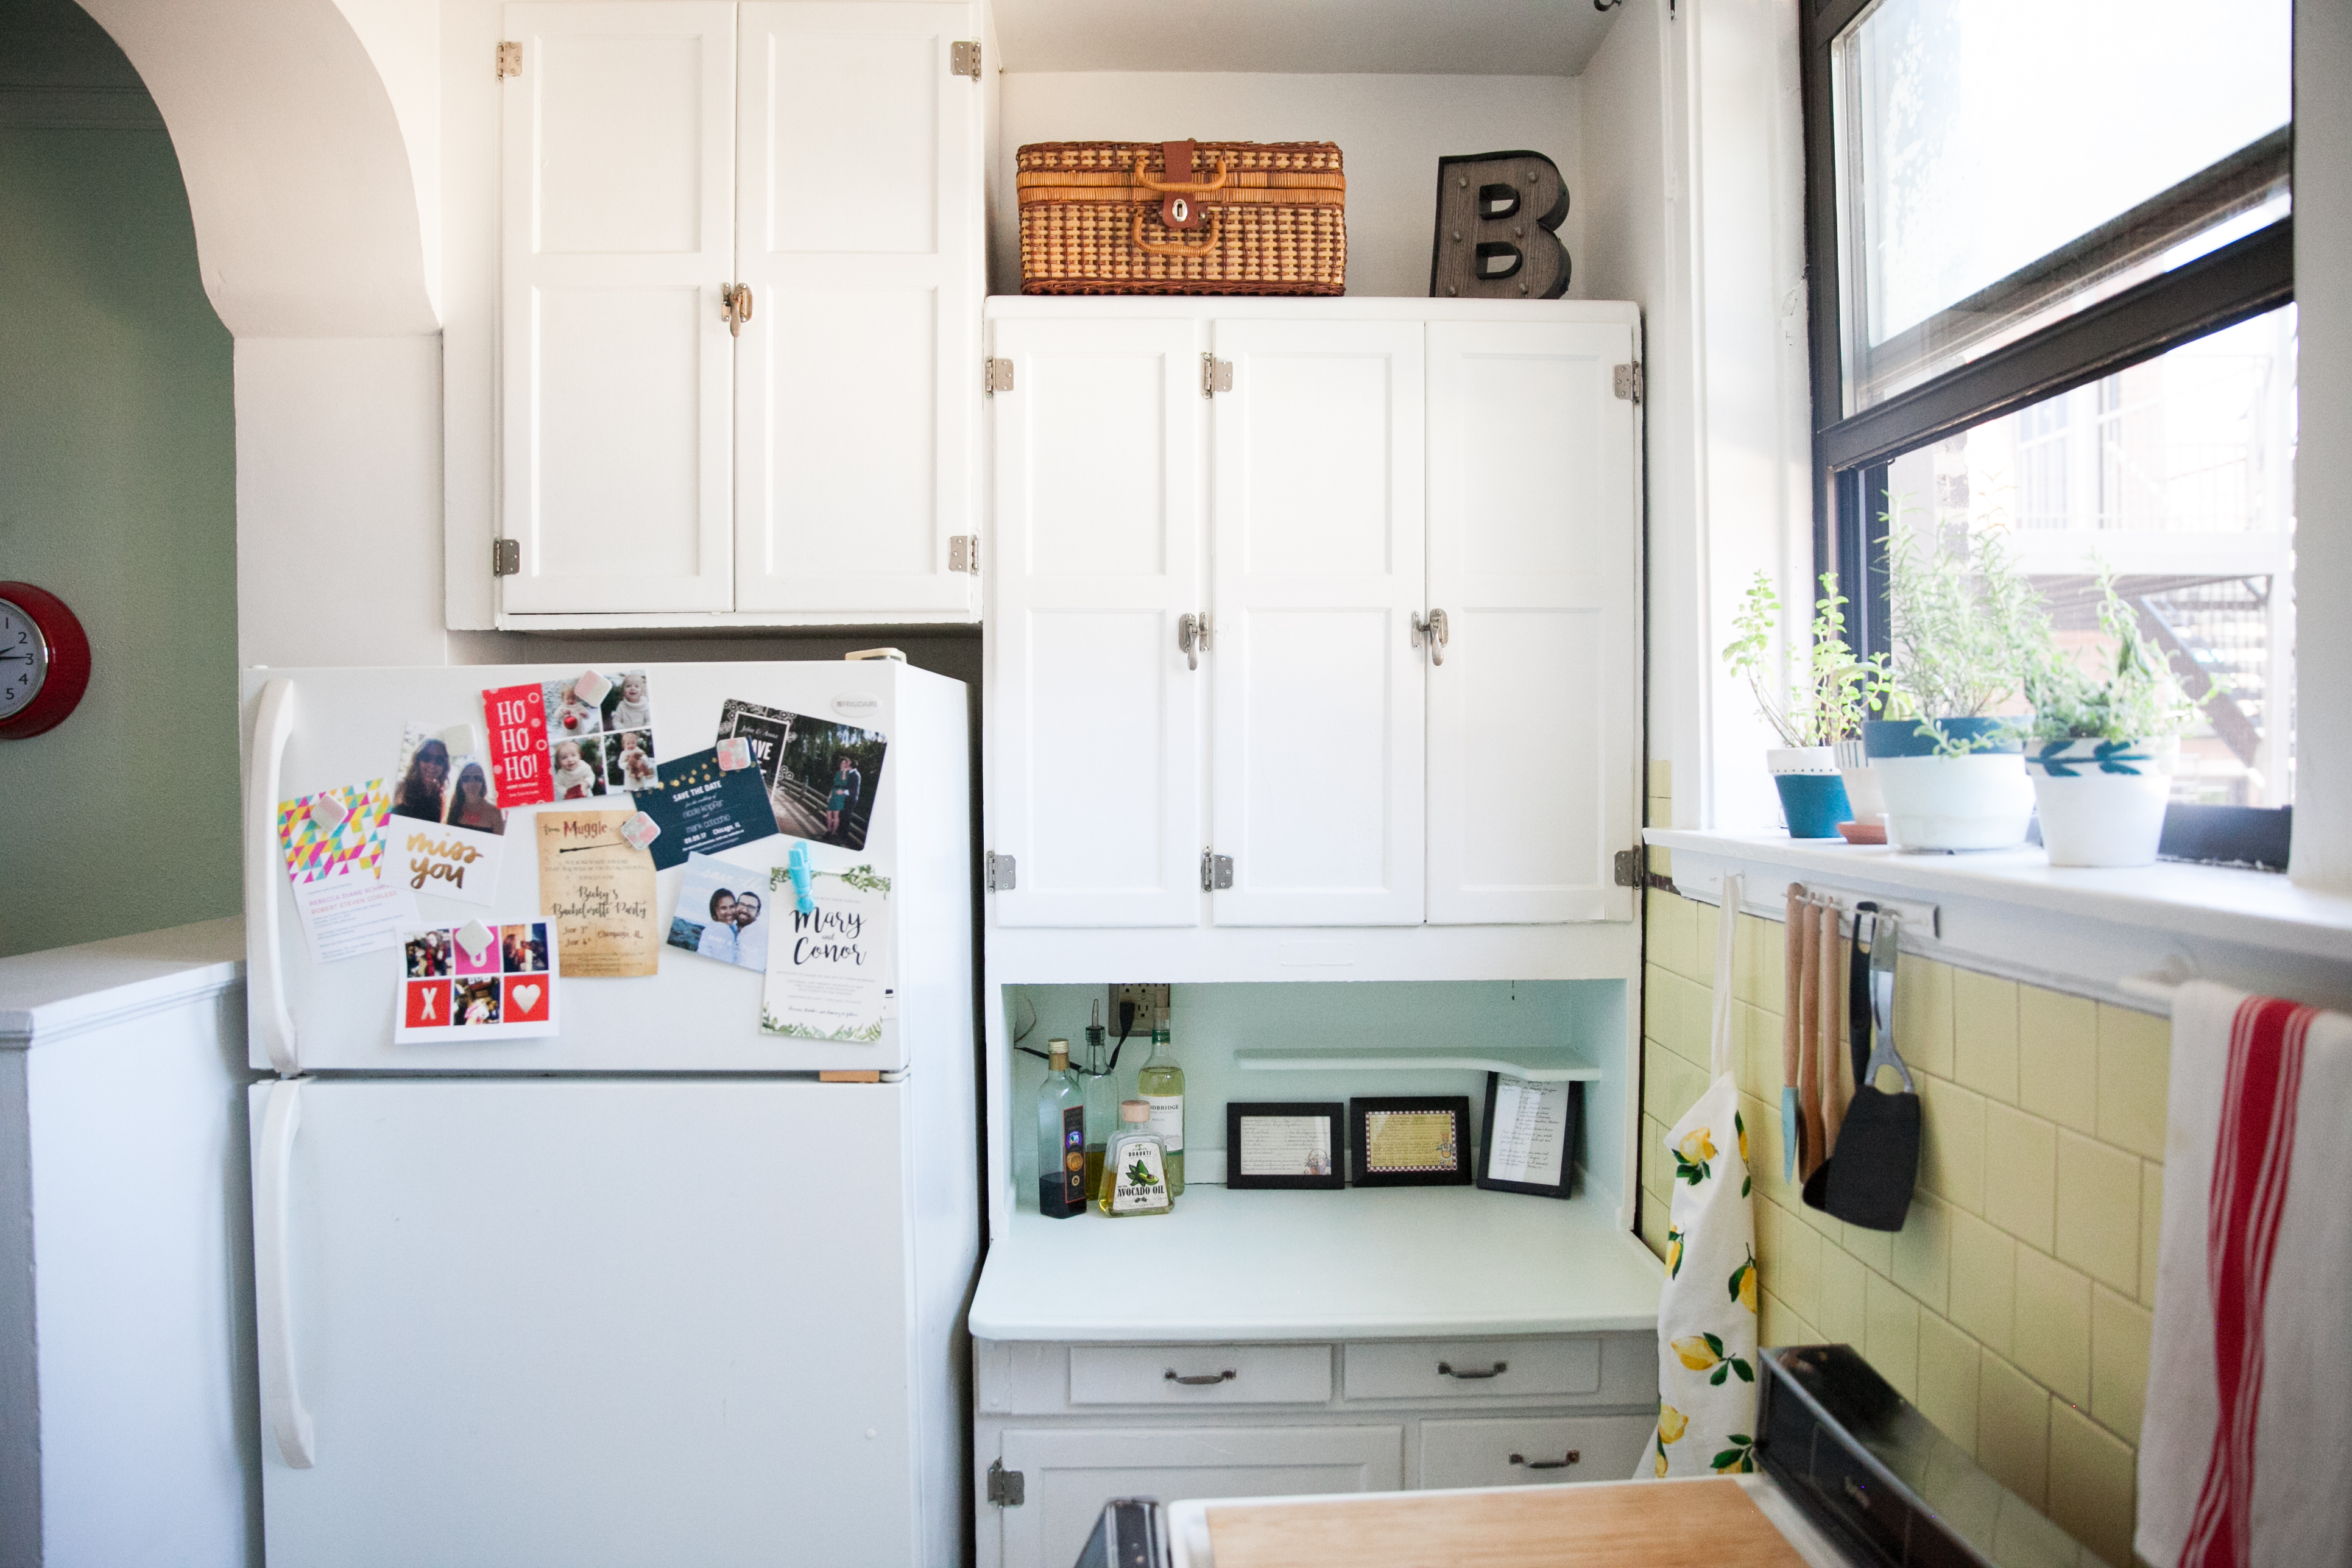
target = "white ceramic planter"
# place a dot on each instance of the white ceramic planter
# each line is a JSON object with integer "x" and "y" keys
{"x": 1979, "y": 802}
{"x": 2102, "y": 801}
{"x": 1812, "y": 798}
{"x": 1863, "y": 791}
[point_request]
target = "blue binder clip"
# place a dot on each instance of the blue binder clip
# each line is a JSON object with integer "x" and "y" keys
{"x": 799, "y": 870}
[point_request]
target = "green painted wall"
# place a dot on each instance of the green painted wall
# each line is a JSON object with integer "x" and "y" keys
{"x": 117, "y": 493}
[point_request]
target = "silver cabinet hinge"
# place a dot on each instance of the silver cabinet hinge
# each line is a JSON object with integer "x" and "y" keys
{"x": 1625, "y": 381}
{"x": 1005, "y": 1487}
{"x": 963, "y": 552}
{"x": 1216, "y": 871}
{"x": 509, "y": 58}
{"x": 505, "y": 557}
{"x": 1630, "y": 872}
{"x": 995, "y": 376}
{"x": 1216, "y": 375}
{"x": 1001, "y": 873}
{"x": 964, "y": 59}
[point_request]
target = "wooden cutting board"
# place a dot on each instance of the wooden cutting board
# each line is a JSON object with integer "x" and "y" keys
{"x": 1614, "y": 1524}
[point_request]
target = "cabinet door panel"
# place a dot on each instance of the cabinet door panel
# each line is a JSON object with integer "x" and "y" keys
{"x": 857, "y": 374}
{"x": 1317, "y": 727}
{"x": 1534, "y": 526}
{"x": 1094, "y": 731}
{"x": 1070, "y": 1473}
{"x": 616, "y": 229}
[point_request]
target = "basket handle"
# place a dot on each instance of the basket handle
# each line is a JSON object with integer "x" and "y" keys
{"x": 1165, "y": 248}
{"x": 1224, "y": 168}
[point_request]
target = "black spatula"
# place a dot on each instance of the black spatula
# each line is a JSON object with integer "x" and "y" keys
{"x": 1877, "y": 1159}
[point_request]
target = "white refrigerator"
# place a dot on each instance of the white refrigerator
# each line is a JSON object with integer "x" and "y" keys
{"x": 658, "y": 1288}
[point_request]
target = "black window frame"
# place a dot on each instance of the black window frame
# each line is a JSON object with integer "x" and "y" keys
{"x": 2233, "y": 283}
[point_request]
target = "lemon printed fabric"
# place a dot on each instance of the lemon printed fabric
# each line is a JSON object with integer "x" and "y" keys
{"x": 1706, "y": 1314}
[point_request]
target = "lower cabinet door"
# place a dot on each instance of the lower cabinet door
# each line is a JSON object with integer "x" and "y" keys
{"x": 1068, "y": 1474}
{"x": 1525, "y": 1451}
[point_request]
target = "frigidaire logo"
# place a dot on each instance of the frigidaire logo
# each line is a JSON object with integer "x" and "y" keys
{"x": 857, "y": 705}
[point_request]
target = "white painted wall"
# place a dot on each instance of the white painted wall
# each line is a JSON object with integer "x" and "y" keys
{"x": 1390, "y": 130}
{"x": 2323, "y": 541}
{"x": 402, "y": 39}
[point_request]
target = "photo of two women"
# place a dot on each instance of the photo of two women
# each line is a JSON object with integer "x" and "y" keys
{"x": 433, "y": 788}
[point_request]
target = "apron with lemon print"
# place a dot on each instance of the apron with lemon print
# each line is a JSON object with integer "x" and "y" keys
{"x": 1706, "y": 1314}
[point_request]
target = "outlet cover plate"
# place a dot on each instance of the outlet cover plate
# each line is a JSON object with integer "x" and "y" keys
{"x": 1145, "y": 997}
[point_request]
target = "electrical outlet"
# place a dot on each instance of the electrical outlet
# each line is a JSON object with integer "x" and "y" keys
{"x": 1146, "y": 998}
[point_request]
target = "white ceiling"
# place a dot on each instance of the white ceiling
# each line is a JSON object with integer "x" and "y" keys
{"x": 1438, "y": 38}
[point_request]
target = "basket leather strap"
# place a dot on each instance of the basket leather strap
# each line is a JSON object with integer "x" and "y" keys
{"x": 1179, "y": 210}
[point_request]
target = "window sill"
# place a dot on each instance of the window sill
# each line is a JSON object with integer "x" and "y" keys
{"x": 2116, "y": 935}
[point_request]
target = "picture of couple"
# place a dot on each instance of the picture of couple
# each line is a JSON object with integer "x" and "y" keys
{"x": 719, "y": 913}
{"x": 434, "y": 787}
{"x": 821, "y": 777}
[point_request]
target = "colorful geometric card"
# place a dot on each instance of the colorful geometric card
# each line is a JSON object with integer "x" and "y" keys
{"x": 318, "y": 845}
{"x": 475, "y": 982}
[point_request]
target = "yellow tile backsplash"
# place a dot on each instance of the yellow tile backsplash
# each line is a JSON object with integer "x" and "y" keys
{"x": 2012, "y": 1308}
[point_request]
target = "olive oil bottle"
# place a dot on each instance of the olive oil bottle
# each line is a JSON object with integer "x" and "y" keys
{"x": 1161, "y": 1084}
{"x": 1102, "y": 1104}
{"x": 1136, "y": 1179}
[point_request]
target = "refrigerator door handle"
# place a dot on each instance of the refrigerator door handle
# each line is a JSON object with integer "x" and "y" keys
{"x": 273, "y": 1285}
{"x": 273, "y": 725}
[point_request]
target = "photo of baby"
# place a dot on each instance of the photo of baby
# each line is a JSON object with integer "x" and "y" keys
{"x": 629, "y": 762}
{"x": 522, "y": 948}
{"x": 627, "y": 706}
{"x": 569, "y": 714}
{"x": 720, "y": 911}
{"x": 579, "y": 768}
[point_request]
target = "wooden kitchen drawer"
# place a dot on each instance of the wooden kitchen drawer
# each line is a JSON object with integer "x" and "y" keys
{"x": 1238, "y": 1375}
{"x": 1509, "y": 1451}
{"x": 1472, "y": 1369}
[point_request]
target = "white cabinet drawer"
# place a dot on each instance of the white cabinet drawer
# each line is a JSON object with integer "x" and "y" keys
{"x": 1199, "y": 1375}
{"x": 1531, "y": 1451}
{"x": 1472, "y": 1369}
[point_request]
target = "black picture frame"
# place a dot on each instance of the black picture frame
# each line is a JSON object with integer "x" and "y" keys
{"x": 1331, "y": 1111}
{"x": 1359, "y": 1174}
{"x": 1572, "y": 1117}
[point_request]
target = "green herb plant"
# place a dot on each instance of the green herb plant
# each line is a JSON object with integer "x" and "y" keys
{"x": 2132, "y": 697}
{"x": 1969, "y": 632}
{"x": 1837, "y": 691}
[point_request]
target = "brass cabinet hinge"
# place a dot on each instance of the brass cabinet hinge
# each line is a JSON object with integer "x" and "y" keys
{"x": 509, "y": 58}
{"x": 964, "y": 59}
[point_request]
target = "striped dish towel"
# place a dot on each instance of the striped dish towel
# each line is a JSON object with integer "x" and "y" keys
{"x": 2246, "y": 1452}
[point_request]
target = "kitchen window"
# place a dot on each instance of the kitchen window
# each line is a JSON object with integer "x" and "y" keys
{"x": 2051, "y": 265}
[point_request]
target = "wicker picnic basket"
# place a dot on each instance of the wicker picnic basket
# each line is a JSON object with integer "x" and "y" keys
{"x": 1182, "y": 217}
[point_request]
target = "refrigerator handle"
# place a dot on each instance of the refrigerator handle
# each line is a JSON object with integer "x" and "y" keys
{"x": 273, "y": 1289}
{"x": 273, "y": 724}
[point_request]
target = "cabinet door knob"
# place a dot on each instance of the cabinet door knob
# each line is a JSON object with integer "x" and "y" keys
{"x": 1571, "y": 1456}
{"x": 1204, "y": 1380}
{"x": 1448, "y": 1369}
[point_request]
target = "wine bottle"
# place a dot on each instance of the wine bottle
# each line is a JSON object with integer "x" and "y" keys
{"x": 1161, "y": 1084}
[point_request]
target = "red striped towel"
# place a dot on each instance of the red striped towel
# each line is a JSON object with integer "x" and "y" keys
{"x": 2245, "y": 1456}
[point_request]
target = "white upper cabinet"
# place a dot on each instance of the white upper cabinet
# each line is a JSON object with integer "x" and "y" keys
{"x": 619, "y": 230}
{"x": 858, "y": 162}
{"x": 1095, "y": 715}
{"x": 1532, "y": 561}
{"x": 808, "y": 460}
{"x": 1316, "y": 737}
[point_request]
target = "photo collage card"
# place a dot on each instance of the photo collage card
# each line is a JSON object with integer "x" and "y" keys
{"x": 600, "y": 735}
{"x": 478, "y": 981}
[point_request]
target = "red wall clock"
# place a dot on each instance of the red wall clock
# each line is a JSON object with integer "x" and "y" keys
{"x": 44, "y": 662}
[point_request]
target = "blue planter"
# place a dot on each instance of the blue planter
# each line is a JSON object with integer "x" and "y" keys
{"x": 1814, "y": 804}
{"x": 1901, "y": 737}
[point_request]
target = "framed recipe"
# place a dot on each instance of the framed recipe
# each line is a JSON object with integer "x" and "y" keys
{"x": 1527, "y": 1139}
{"x": 1296, "y": 1144}
{"x": 1409, "y": 1140}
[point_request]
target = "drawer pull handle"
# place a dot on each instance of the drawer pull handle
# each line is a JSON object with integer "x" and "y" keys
{"x": 1205, "y": 1380}
{"x": 1572, "y": 1456}
{"x": 1446, "y": 1368}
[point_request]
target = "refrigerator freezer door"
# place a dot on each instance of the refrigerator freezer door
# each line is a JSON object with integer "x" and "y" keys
{"x": 306, "y": 730}
{"x": 579, "y": 1321}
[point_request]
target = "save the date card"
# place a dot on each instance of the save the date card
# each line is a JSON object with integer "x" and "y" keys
{"x": 478, "y": 981}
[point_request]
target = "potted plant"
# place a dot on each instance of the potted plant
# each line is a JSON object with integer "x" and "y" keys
{"x": 1967, "y": 628}
{"x": 1828, "y": 706}
{"x": 2104, "y": 745}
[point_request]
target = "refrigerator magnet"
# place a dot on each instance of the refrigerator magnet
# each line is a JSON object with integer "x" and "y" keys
{"x": 456, "y": 989}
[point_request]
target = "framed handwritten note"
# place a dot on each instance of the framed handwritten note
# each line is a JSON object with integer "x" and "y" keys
{"x": 600, "y": 892}
{"x": 829, "y": 968}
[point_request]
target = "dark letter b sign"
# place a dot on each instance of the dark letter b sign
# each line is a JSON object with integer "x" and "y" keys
{"x": 1496, "y": 214}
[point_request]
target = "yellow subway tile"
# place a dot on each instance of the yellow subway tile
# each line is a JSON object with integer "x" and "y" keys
{"x": 1653, "y": 1228}
{"x": 2098, "y": 1210}
{"x": 2013, "y": 1429}
{"x": 1672, "y": 930}
{"x": 2091, "y": 1484}
{"x": 2053, "y": 1338}
{"x": 1952, "y": 1144}
{"x": 1984, "y": 1034}
{"x": 1791, "y": 1260}
{"x": 2022, "y": 1175}
{"x": 1755, "y": 1036}
{"x": 1669, "y": 1084}
{"x": 2151, "y": 1226}
{"x": 1764, "y": 1151}
{"x": 1923, "y": 1016}
{"x": 1750, "y": 983}
{"x": 1922, "y": 1252}
{"x": 1843, "y": 1313}
{"x": 2135, "y": 1072}
{"x": 1947, "y": 1379}
{"x": 1984, "y": 1280}
{"x": 1693, "y": 1020}
{"x": 2058, "y": 1058}
{"x": 1771, "y": 968}
{"x": 1662, "y": 778}
{"x": 2120, "y": 1328}
{"x": 1658, "y": 1000}
{"x": 1874, "y": 1249}
{"x": 1655, "y": 1171}
{"x": 1892, "y": 1334}
{"x": 1782, "y": 1325}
